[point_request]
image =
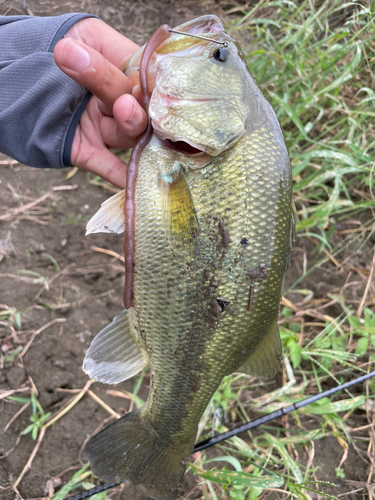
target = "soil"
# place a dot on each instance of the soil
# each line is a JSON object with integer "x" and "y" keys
{"x": 85, "y": 289}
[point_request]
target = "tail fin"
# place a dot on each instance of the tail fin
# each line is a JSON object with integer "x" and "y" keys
{"x": 130, "y": 449}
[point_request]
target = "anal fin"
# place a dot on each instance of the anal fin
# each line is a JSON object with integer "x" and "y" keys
{"x": 264, "y": 362}
{"x": 116, "y": 353}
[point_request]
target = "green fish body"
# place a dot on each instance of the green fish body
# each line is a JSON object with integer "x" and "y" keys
{"x": 213, "y": 240}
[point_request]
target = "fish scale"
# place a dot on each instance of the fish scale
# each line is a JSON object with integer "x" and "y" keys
{"x": 212, "y": 243}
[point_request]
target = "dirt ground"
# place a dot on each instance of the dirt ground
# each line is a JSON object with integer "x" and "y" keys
{"x": 82, "y": 290}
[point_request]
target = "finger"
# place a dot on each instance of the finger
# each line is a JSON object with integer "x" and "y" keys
{"x": 129, "y": 115}
{"x": 115, "y": 47}
{"x": 129, "y": 122}
{"x": 128, "y": 104}
{"x": 108, "y": 166}
{"x": 105, "y": 109}
{"x": 113, "y": 136}
{"x": 89, "y": 68}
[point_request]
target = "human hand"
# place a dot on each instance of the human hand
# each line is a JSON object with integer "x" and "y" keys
{"x": 94, "y": 55}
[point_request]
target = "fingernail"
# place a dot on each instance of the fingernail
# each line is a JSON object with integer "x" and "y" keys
{"x": 76, "y": 58}
{"x": 136, "y": 117}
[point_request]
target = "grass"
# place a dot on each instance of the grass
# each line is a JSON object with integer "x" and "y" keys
{"x": 315, "y": 63}
{"x": 319, "y": 77}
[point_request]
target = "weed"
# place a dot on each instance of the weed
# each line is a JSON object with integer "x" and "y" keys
{"x": 38, "y": 417}
{"x": 364, "y": 330}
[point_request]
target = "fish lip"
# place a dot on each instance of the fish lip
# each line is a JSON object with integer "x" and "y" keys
{"x": 170, "y": 99}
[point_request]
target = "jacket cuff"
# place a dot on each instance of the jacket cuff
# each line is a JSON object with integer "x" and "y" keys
{"x": 67, "y": 148}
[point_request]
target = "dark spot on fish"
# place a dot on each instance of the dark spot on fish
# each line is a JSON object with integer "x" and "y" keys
{"x": 215, "y": 309}
{"x": 213, "y": 282}
{"x": 258, "y": 273}
{"x": 223, "y": 303}
{"x": 213, "y": 314}
{"x": 195, "y": 381}
{"x": 244, "y": 241}
{"x": 250, "y": 301}
{"x": 183, "y": 361}
{"x": 194, "y": 233}
{"x": 224, "y": 233}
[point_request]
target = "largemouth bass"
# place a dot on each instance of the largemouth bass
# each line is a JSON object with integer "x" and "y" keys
{"x": 214, "y": 224}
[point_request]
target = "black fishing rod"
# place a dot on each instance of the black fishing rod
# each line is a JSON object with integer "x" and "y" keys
{"x": 207, "y": 443}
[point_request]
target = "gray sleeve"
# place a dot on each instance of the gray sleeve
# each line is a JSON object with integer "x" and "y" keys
{"x": 40, "y": 106}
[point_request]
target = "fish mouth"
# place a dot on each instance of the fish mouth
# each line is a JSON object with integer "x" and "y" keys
{"x": 181, "y": 147}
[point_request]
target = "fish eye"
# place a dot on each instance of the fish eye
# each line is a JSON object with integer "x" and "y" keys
{"x": 221, "y": 54}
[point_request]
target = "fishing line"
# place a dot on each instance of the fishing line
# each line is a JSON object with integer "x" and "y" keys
{"x": 245, "y": 427}
{"x": 224, "y": 44}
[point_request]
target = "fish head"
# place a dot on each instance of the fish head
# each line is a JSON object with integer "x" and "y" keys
{"x": 199, "y": 87}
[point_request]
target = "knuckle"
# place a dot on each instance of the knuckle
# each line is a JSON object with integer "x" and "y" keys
{"x": 113, "y": 169}
{"x": 106, "y": 81}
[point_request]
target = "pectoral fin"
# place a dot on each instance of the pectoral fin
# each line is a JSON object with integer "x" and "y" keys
{"x": 110, "y": 216}
{"x": 179, "y": 216}
{"x": 264, "y": 362}
{"x": 116, "y": 353}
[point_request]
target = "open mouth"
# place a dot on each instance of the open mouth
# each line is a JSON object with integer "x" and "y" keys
{"x": 181, "y": 146}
